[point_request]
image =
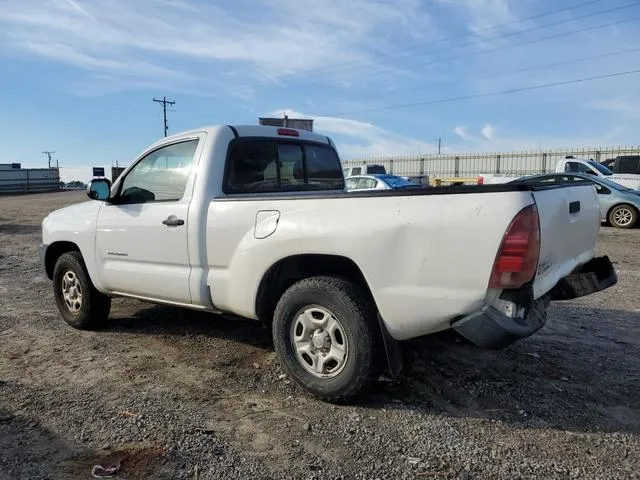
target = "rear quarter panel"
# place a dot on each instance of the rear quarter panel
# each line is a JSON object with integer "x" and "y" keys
{"x": 426, "y": 258}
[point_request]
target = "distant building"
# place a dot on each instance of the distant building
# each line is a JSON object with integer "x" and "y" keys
{"x": 15, "y": 179}
{"x": 298, "y": 123}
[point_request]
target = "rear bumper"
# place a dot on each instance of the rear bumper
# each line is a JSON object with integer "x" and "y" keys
{"x": 492, "y": 327}
{"x": 594, "y": 276}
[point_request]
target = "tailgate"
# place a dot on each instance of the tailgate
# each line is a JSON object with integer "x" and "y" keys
{"x": 569, "y": 225}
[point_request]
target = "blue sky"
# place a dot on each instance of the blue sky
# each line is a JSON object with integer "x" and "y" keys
{"x": 78, "y": 76}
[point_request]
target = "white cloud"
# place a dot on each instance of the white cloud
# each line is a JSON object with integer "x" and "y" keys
{"x": 484, "y": 14}
{"x": 356, "y": 139}
{"x": 78, "y": 8}
{"x": 461, "y": 131}
{"x": 627, "y": 106}
{"x": 488, "y": 131}
{"x": 134, "y": 40}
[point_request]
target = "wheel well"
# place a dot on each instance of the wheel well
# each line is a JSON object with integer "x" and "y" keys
{"x": 633, "y": 207}
{"x": 54, "y": 252}
{"x": 289, "y": 270}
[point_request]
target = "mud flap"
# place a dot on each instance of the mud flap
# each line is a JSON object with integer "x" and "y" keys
{"x": 392, "y": 350}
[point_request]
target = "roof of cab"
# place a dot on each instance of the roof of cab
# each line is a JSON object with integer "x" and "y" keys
{"x": 250, "y": 131}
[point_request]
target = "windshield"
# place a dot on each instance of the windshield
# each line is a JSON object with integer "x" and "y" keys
{"x": 396, "y": 182}
{"x": 601, "y": 168}
{"x": 611, "y": 184}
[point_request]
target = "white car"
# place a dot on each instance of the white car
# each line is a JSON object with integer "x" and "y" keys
{"x": 256, "y": 221}
{"x": 378, "y": 182}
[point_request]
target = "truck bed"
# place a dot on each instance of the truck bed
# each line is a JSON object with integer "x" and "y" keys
{"x": 425, "y": 254}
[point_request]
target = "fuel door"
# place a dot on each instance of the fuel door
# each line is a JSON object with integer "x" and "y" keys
{"x": 266, "y": 223}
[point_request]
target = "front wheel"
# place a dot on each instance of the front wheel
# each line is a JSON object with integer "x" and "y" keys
{"x": 623, "y": 216}
{"x": 326, "y": 337}
{"x": 81, "y": 305}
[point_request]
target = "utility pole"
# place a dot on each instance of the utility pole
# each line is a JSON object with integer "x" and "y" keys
{"x": 439, "y": 144}
{"x": 48, "y": 154}
{"x": 164, "y": 103}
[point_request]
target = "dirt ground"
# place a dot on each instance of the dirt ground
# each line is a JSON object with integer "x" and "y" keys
{"x": 172, "y": 394}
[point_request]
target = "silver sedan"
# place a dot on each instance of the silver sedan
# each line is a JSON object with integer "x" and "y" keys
{"x": 384, "y": 181}
{"x": 620, "y": 206}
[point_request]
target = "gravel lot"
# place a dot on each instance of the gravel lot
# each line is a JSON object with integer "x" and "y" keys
{"x": 176, "y": 394}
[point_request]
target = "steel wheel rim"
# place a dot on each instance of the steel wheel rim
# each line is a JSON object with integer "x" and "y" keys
{"x": 71, "y": 291}
{"x": 319, "y": 341}
{"x": 623, "y": 216}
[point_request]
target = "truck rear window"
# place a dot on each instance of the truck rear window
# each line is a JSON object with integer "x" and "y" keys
{"x": 265, "y": 165}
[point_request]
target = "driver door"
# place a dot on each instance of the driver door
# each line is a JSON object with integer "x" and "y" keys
{"x": 141, "y": 238}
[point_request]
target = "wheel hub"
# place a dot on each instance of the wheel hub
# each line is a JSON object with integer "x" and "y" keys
{"x": 72, "y": 292}
{"x": 320, "y": 339}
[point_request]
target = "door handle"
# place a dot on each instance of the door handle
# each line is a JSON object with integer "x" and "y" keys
{"x": 173, "y": 221}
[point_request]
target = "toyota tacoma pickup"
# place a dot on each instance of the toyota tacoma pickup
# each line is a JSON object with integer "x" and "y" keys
{"x": 255, "y": 221}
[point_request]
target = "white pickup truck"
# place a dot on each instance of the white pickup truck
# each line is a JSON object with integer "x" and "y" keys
{"x": 256, "y": 221}
{"x": 572, "y": 165}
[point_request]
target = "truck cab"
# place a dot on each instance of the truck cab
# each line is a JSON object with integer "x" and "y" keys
{"x": 364, "y": 170}
{"x": 571, "y": 164}
{"x": 628, "y": 164}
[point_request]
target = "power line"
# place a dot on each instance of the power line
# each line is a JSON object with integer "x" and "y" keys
{"x": 484, "y": 40}
{"x": 482, "y": 95}
{"x": 164, "y": 103}
{"x": 514, "y": 72}
{"x": 503, "y": 47}
{"x": 455, "y": 37}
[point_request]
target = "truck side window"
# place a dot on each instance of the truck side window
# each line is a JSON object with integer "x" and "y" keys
{"x": 356, "y": 171}
{"x": 629, "y": 165}
{"x": 161, "y": 175}
{"x": 572, "y": 167}
{"x": 271, "y": 166}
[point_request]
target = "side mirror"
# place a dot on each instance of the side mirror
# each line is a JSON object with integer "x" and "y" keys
{"x": 99, "y": 189}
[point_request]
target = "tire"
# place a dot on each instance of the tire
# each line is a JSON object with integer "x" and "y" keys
{"x": 81, "y": 305}
{"x": 346, "y": 311}
{"x": 623, "y": 216}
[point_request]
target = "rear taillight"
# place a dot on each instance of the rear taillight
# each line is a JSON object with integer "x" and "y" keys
{"x": 517, "y": 259}
{"x": 480, "y": 180}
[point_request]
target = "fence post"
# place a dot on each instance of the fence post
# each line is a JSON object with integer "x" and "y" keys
{"x": 498, "y": 164}
{"x": 421, "y": 166}
{"x": 391, "y": 166}
{"x": 457, "y": 167}
{"x": 28, "y": 186}
{"x": 598, "y": 156}
{"x": 544, "y": 162}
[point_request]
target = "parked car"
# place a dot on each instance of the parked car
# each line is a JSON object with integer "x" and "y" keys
{"x": 255, "y": 221}
{"x": 569, "y": 165}
{"x": 620, "y": 206}
{"x": 378, "y": 182}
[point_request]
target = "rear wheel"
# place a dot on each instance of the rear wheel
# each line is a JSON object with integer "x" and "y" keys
{"x": 326, "y": 337}
{"x": 81, "y": 305}
{"x": 623, "y": 216}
